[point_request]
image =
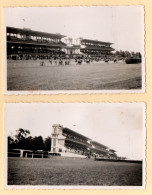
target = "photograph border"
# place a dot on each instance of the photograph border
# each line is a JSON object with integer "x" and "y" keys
{"x": 82, "y": 187}
{"x": 55, "y": 92}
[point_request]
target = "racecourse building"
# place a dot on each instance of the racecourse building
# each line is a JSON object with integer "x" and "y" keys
{"x": 29, "y": 44}
{"x": 67, "y": 142}
{"x": 94, "y": 47}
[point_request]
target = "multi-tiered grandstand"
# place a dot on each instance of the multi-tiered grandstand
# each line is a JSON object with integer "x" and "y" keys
{"x": 27, "y": 44}
{"x": 67, "y": 142}
{"x": 96, "y": 48}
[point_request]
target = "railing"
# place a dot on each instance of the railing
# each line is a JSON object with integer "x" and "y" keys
{"x": 42, "y": 42}
{"x": 100, "y": 150}
{"x": 77, "y": 141}
{"x": 28, "y": 155}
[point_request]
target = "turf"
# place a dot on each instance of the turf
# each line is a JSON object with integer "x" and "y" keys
{"x": 59, "y": 171}
{"x": 29, "y": 75}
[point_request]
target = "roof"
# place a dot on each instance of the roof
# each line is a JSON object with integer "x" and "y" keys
{"x": 72, "y": 47}
{"x": 98, "y": 48}
{"x": 94, "y": 142}
{"x": 69, "y": 131}
{"x": 96, "y": 42}
{"x": 33, "y": 32}
{"x": 99, "y": 150}
{"x": 112, "y": 150}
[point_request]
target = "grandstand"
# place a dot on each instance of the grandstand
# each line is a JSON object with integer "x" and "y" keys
{"x": 95, "y": 48}
{"x": 27, "y": 44}
{"x": 67, "y": 142}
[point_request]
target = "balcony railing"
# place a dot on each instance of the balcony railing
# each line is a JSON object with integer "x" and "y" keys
{"x": 78, "y": 141}
{"x": 100, "y": 150}
{"x": 39, "y": 41}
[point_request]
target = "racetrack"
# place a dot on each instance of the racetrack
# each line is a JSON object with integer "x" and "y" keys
{"x": 59, "y": 171}
{"x": 29, "y": 75}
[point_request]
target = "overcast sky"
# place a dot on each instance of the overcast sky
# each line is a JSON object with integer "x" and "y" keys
{"x": 118, "y": 126}
{"x": 121, "y": 25}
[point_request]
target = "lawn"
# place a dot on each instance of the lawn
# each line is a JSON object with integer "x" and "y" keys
{"x": 59, "y": 171}
{"x": 29, "y": 75}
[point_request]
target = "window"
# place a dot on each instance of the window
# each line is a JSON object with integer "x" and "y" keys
{"x": 54, "y": 142}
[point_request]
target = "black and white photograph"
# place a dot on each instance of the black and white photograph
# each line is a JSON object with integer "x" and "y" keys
{"x": 75, "y": 145}
{"x": 77, "y": 49}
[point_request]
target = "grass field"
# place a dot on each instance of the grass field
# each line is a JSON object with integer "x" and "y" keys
{"x": 29, "y": 75}
{"x": 59, "y": 171}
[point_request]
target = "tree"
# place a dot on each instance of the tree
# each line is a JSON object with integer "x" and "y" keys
{"x": 21, "y": 138}
{"x": 133, "y": 54}
{"x": 47, "y": 143}
{"x": 37, "y": 143}
{"x": 10, "y": 142}
{"x": 21, "y": 134}
{"x": 122, "y": 53}
{"x": 138, "y": 55}
{"x": 117, "y": 53}
{"x": 127, "y": 54}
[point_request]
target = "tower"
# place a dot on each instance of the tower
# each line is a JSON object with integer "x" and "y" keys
{"x": 58, "y": 140}
{"x": 78, "y": 41}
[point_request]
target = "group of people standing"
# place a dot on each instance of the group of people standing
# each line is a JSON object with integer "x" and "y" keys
{"x": 77, "y": 60}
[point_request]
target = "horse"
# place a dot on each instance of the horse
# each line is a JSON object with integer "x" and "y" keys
{"x": 79, "y": 62}
{"x": 60, "y": 62}
{"x": 115, "y": 60}
{"x": 87, "y": 61}
{"x": 67, "y": 62}
{"x": 106, "y": 60}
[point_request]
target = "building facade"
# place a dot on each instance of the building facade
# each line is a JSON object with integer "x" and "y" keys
{"x": 28, "y": 44}
{"x": 68, "y": 142}
{"x": 95, "y": 48}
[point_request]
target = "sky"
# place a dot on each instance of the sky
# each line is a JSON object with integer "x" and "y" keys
{"x": 120, "y": 126}
{"x": 121, "y": 25}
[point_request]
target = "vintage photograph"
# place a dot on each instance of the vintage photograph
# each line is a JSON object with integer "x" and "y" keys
{"x": 74, "y": 49}
{"x": 75, "y": 145}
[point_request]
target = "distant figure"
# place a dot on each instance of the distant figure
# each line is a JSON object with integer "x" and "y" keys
{"x": 106, "y": 60}
{"x": 67, "y": 62}
{"x": 50, "y": 61}
{"x": 88, "y": 61}
{"x": 42, "y": 63}
{"x": 79, "y": 61}
{"x": 115, "y": 60}
{"x": 60, "y": 62}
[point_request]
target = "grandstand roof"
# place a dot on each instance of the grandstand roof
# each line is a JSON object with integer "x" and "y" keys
{"x": 112, "y": 150}
{"x": 34, "y": 33}
{"x": 99, "y": 150}
{"x": 97, "y": 143}
{"x": 69, "y": 131}
{"x": 96, "y": 42}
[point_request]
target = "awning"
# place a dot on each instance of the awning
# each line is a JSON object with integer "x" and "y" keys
{"x": 33, "y": 33}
